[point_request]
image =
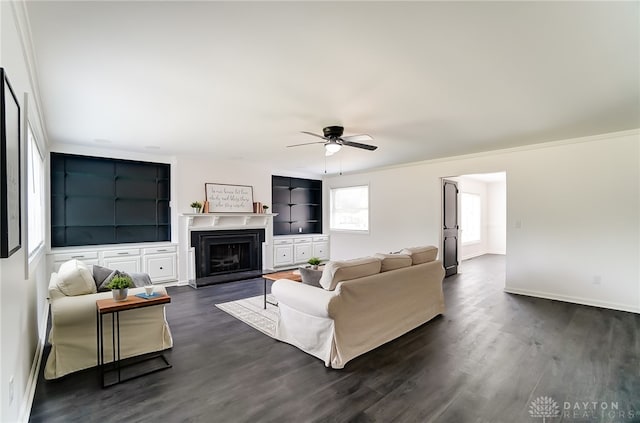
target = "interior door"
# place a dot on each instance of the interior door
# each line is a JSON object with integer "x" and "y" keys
{"x": 450, "y": 227}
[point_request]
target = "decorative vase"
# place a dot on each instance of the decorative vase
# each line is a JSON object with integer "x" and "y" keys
{"x": 120, "y": 294}
{"x": 314, "y": 266}
{"x": 196, "y": 210}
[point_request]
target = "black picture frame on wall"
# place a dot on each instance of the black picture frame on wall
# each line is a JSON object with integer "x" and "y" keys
{"x": 10, "y": 218}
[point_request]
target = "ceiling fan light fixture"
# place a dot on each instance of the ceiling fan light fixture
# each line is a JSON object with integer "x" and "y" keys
{"x": 332, "y": 148}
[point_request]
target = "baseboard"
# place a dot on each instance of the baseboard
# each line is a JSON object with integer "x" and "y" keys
{"x": 575, "y": 300}
{"x": 32, "y": 382}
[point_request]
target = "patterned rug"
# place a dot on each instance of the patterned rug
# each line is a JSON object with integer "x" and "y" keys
{"x": 251, "y": 311}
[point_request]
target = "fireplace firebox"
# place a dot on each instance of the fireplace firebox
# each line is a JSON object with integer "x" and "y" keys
{"x": 227, "y": 255}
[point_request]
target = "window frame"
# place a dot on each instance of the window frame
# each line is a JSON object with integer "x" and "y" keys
{"x": 34, "y": 148}
{"x": 332, "y": 228}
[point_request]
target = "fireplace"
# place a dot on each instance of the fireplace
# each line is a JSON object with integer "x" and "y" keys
{"x": 227, "y": 255}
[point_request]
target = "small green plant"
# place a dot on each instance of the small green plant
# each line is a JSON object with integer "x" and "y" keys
{"x": 196, "y": 205}
{"x": 120, "y": 282}
{"x": 314, "y": 261}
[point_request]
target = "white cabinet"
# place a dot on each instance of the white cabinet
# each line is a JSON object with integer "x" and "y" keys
{"x": 283, "y": 253}
{"x": 160, "y": 262}
{"x": 302, "y": 249}
{"x": 128, "y": 260}
{"x": 289, "y": 251}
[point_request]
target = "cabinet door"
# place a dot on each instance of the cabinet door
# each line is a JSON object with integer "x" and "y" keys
{"x": 283, "y": 255}
{"x": 161, "y": 267}
{"x": 124, "y": 264}
{"x": 303, "y": 252}
{"x": 321, "y": 250}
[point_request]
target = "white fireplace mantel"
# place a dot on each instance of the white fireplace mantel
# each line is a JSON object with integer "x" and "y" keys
{"x": 213, "y": 221}
{"x": 190, "y": 222}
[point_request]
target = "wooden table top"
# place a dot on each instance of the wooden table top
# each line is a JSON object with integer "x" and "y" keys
{"x": 285, "y": 274}
{"x": 109, "y": 305}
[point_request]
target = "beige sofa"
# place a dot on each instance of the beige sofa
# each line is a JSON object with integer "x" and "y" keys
{"x": 364, "y": 304}
{"x": 73, "y": 325}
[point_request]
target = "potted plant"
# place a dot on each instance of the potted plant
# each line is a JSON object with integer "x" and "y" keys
{"x": 119, "y": 286}
{"x": 314, "y": 262}
{"x": 265, "y": 208}
{"x": 196, "y": 206}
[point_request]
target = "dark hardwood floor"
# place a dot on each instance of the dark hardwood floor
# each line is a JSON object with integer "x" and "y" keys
{"x": 485, "y": 360}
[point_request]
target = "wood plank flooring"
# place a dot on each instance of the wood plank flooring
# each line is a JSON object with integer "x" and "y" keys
{"x": 484, "y": 360}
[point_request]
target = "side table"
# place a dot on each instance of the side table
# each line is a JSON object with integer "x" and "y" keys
{"x": 110, "y": 306}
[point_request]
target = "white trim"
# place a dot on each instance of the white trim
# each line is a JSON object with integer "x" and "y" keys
{"x": 27, "y": 402}
{"x": 489, "y": 153}
{"x": 574, "y": 300}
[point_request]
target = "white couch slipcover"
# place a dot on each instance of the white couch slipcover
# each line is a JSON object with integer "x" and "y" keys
{"x": 73, "y": 330}
{"x": 360, "y": 314}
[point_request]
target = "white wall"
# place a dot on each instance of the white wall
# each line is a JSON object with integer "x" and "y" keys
{"x": 497, "y": 218}
{"x": 573, "y": 217}
{"x": 23, "y": 291}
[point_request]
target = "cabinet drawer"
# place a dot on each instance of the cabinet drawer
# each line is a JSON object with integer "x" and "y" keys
{"x": 89, "y": 262}
{"x": 123, "y": 263}
{"x": 321, "y": 250}
{"x": 121, "y": 253}
{"x": 320, "y": 239}
{"x": 160, "y": 250}
{"x": 282, "y": 241}
{"x": 87, "y": 255}
{"x": 302, "y": 240}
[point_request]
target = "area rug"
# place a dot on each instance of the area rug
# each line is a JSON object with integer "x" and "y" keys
{"x": 251, "y": 311}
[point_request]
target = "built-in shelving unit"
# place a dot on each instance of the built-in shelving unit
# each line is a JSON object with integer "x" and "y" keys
{"x": 298, "y": 204}
{"x": 96, "y": 200}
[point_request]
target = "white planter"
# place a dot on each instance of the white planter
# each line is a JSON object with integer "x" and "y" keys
{"x": 120, "y": 294}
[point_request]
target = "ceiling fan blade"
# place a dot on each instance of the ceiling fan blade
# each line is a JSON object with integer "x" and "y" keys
{"x": 358, "y": 145}
{"x": 307, "y": 143}
{"x": 356, "y": 138}
{"x": 312, "y": 134}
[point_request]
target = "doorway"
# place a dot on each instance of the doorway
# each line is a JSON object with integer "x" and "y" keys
{"x": 475, "y": 211}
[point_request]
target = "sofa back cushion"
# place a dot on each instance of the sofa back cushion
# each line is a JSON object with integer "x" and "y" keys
{"x": 338, "y": 271}
{"x": 421, "y": 255}
{"x": 393, "y": 261}
{"x": 75, "y": 278}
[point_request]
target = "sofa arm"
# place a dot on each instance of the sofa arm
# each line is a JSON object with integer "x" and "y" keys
{"x": 304, "y": 298}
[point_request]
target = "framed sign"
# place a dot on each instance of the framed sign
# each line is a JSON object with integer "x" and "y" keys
{"x": 10, "y": 237}
{"x": 229, "y": 198}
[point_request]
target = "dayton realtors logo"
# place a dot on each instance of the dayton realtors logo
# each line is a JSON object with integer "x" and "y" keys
{"x": 544, "y": 407}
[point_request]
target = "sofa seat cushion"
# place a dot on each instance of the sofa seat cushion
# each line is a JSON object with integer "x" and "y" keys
{"x": 393, "y": 261}
{"x": 75, "y": 278}
{"x": 338, "y": 271}
{"x": 421, "y": 255}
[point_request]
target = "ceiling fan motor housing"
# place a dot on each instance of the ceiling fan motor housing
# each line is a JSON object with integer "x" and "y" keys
{"x": 333, "y": 132}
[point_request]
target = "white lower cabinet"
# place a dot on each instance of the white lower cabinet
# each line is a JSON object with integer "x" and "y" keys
{"x": 289, "y": 251}
{"x": 283, "y": 255}
{"x": 160, "y": 262}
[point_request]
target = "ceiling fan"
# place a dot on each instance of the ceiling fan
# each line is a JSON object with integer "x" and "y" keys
{"x": 333, "y": 140}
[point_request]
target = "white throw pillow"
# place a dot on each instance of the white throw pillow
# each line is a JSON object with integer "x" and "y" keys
{"x": 393, "y": 261}
{"x": 75, "y": 278}
{"x": 421, "y": 255}
{"x": 338, "y": 271}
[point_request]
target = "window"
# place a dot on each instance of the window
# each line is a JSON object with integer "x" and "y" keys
{"x": 470, "y": 216}
{"x": 350, "y": 208}
{"x": 35, "y": 195}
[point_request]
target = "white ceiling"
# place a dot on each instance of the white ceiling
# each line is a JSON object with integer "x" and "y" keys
{"x": 240, "y": 80}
